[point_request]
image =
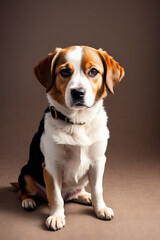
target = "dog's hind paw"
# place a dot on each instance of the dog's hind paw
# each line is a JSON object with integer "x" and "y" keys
{"x": 84, "y": 198}
{"x": 28, "y": 204}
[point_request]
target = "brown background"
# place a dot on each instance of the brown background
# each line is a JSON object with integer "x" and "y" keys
{"x": 129, "y": 31}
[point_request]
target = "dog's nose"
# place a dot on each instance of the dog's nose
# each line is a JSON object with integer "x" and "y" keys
{"x": 78, "y": 94}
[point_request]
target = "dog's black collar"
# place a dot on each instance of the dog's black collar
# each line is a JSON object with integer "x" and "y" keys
{"x": 58, "y": 115}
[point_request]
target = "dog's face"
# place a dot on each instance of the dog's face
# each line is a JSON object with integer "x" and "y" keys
{"x": 77, "y": 76}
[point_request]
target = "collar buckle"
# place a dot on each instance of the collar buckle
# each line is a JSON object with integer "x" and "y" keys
{"x": 54, "y": 112}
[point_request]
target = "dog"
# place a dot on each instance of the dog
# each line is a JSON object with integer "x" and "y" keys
{"x": 68, "y": 151}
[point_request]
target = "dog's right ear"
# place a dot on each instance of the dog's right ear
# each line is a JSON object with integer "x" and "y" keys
{"x": 43, "y": 70}
{"x": 114, "y": 71}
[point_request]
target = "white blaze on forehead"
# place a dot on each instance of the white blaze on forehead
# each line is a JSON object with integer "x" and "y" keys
{"x": 75, "y": 57}
{"x": 78, "y": 78}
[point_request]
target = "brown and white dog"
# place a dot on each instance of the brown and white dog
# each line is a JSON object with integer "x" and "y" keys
{"x": 69, "y": 148}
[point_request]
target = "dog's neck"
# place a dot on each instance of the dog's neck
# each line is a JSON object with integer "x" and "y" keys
{"x": 84, "y": 115}
{"x": 58, "y": 115}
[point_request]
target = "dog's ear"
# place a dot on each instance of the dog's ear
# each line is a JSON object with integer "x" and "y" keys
{"x": 43, "y": 70}
{"x": 114, "y": 72}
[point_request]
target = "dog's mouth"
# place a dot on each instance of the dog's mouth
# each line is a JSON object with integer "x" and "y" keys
{"x": 78, "y": 106}
{"x": 78, "y": 103}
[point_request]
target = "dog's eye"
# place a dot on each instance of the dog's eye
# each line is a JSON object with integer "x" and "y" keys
{"x": 93, "y": 72}
{"x": 65, "y": 72}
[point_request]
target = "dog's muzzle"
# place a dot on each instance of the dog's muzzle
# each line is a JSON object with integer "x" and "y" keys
{"x": 78, "y": 95}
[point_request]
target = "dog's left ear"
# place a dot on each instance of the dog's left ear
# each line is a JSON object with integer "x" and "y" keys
{"x": 114, "y": 72}
{"x": 43, "y": 70}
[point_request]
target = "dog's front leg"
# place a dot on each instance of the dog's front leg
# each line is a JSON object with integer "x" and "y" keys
{"x": 96, "y": 179}
{"x": 56, "y": 220}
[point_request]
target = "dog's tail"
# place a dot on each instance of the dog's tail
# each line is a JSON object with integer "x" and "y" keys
{"x": 15, "y": 185}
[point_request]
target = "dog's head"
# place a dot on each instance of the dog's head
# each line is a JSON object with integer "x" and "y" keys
{"x": 78, "y": 76}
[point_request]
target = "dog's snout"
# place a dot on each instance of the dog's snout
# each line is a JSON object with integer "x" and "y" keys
{"x": 78, "y": 94}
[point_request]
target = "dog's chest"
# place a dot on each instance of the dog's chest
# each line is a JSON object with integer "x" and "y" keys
{"x": 76, "y": 163}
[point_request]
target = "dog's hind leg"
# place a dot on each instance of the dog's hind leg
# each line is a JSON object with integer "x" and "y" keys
{"x": 27, "y": 194}
{"x": 28, "y": 203}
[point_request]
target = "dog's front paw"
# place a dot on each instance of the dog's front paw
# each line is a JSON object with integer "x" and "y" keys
{"x": 28, "y": 204}
{"x": 55, "y": 222}
{"x": 105, "y": 213}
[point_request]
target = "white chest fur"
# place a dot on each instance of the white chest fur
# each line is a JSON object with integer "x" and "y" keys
{"x": 72, "y": 149}
{"x": 76, "y": 164}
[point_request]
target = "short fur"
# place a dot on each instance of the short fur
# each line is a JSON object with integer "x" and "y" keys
{"x": 65, "y": 156}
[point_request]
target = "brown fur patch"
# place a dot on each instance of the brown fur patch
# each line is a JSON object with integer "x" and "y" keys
{"x": 30, "y": 185}
{"x": 15, "y": 185}
{"x": 43, "y": 71}
{"x": 49, "y": 186}
{"x": 58, "y": 90}
{"x": 91, "y": 59}
{"x": 59, "y": 84}
{"x": 114, "y": 71}
{"x": 23, "y": 196}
